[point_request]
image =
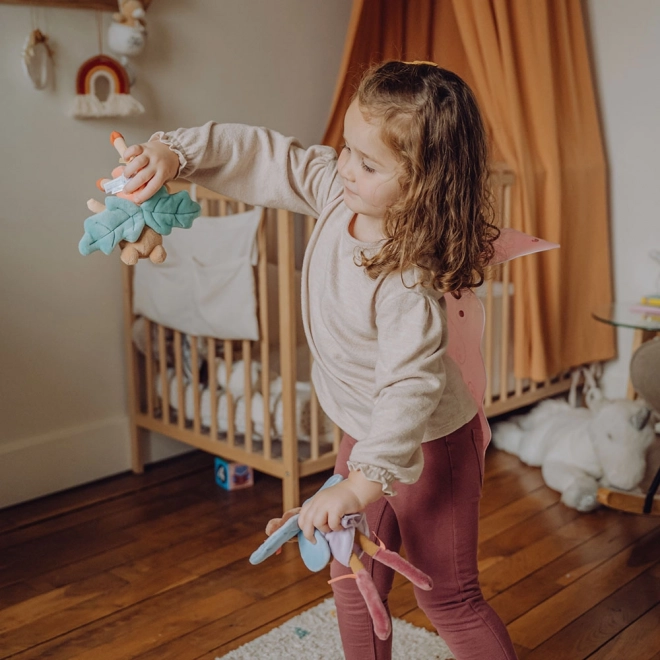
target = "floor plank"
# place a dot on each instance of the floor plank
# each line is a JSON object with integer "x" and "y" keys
{"x": 549, "y": 617}
{"x": 636, "y": 641}
{"x": 601, "y": 623}
{"x": 155, "y": 567}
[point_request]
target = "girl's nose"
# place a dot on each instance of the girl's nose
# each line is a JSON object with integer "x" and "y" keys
{"x": 344, "y": 167}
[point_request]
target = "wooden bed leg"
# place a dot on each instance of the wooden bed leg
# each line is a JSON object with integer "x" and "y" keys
{"x": 290, "y": 492}
{"x": 137, "y": 444}
{"x": 137, "y": 449}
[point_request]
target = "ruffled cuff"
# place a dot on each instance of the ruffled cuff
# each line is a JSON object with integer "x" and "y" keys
{"x": 378, "y": 474}
{"x": 174, "y": 147}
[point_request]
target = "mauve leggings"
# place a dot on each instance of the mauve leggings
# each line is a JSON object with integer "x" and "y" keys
{"x": 436, "y": 519}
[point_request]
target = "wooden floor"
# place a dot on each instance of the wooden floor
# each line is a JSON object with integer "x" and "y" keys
{"x": 155, "y": 567}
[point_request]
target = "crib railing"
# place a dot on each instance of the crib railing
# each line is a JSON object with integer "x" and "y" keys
{"x": 159, "y": 391}
{"x": 157, "y": 385}
{"x": 504, "y": 390}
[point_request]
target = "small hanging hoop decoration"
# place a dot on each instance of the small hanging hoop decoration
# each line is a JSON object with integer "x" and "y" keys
{"x": 37, "y": 59}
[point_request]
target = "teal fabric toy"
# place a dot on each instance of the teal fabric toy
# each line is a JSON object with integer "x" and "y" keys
{"x": 123, "y": 220}
{"x": 137, "y": 228}
{"x": 314, "y": 556}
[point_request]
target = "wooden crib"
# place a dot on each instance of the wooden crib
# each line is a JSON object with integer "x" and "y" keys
{"x": 157, "y": 383}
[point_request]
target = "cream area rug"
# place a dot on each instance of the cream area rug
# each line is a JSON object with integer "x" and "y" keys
{"x": 314, "y": 635}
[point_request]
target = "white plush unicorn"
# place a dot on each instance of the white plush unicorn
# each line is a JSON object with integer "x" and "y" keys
{"x": 580, "y": 449}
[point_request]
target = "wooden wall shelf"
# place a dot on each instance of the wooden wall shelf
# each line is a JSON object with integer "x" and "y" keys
{"x": 103, "y": 5}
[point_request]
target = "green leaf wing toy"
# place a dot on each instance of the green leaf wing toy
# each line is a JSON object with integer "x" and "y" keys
{"x": 137, "y": 229}
{"x": 123, "y": 220}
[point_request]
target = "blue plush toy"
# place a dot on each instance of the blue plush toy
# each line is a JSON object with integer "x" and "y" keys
{"x": 137, "y": 229}
{"x": 347, "y": 547}
{"x": 314, "y": 556}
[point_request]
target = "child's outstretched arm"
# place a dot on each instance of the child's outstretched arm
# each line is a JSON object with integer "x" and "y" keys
{"x": 151, "y": 165}
{"x": 251, "y": 164}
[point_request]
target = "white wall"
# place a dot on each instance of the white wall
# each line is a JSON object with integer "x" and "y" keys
{"x": 62, "y": 383}
{"x": 626, "y": 47}
{"x": 63, "y": 415}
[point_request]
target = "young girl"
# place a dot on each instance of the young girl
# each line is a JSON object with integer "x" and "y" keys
{"x": 403, "y": 219}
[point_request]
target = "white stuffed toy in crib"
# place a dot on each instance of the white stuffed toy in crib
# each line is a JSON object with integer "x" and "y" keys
{"x": 236, "y": 386}
{"x": 580, "y": 449}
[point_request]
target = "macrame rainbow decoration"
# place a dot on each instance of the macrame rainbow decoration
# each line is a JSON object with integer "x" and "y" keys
{"x": 119, "y": 102}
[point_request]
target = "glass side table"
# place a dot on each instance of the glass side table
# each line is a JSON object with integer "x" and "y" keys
{"x": 646, "y": 326}
{"x": 620, "y": 315}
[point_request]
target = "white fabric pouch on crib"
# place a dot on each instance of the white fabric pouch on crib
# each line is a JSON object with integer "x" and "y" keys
{"x": 206, "y": 285}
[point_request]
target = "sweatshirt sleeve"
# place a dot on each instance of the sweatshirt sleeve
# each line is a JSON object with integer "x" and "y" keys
{"x": 255, "y": 165}
{"x": 409, "y": 381}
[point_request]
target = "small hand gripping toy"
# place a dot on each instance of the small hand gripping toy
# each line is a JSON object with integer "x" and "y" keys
{"x": 138, "y": 229}
{"x": 347, "y": 546}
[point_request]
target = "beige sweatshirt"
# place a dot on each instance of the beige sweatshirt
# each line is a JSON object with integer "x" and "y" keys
{"x": 380, "y": 368}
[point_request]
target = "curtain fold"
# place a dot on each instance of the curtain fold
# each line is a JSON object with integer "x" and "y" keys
{"x": 528, "y": 64}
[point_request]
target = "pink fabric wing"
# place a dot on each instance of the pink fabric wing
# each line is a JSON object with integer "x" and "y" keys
{"x": 466, "y": 320}
{"x": 513, "y": 243}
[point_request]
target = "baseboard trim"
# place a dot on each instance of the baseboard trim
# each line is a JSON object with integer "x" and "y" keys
{"x": 48, "y": 463}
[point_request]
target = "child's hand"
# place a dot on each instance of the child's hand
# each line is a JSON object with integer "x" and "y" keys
{"x": 150, "y": 165}
{"x": 274, "y": 524}
{"x": 326, "y": 509}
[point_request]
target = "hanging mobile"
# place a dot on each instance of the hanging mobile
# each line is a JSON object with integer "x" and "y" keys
{"x": 90, "y": 78}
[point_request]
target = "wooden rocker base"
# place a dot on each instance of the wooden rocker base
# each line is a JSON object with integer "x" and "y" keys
{"x": 629, "y": 502}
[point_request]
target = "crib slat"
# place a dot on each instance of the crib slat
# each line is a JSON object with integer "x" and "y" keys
{"x": 314, "y": 422}
{"x": 247, "y": 394}
{"x": 507, "y": 181}
{"x": 310, "y": 223}
{"x": 194, "y": 356}
{"x": 213, "y": 387}
{"x": 504, "y": 343}
{"x": 264, "y": 332}
{"x": 229, "y": 398}
{"x": 178, "y": 365}
{"x": 315, "y": 417}
{"x": 506, "y": 203}
{"x": 150, "y": 368}
{"x": 336, "y": 438}
{"x": 287, "y": 301}
{"x": 489, "y": 342}
{"x": 165, "y": 386}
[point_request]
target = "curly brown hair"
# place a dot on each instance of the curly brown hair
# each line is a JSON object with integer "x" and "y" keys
{"x": 443, "y": 222}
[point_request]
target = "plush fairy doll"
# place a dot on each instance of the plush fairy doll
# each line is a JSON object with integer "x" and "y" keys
{"x": 138, "y": 229}
{"x": 347, "y": 546}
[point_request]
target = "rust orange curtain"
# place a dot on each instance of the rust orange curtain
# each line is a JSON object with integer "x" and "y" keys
{"x": 528, "y": 64}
